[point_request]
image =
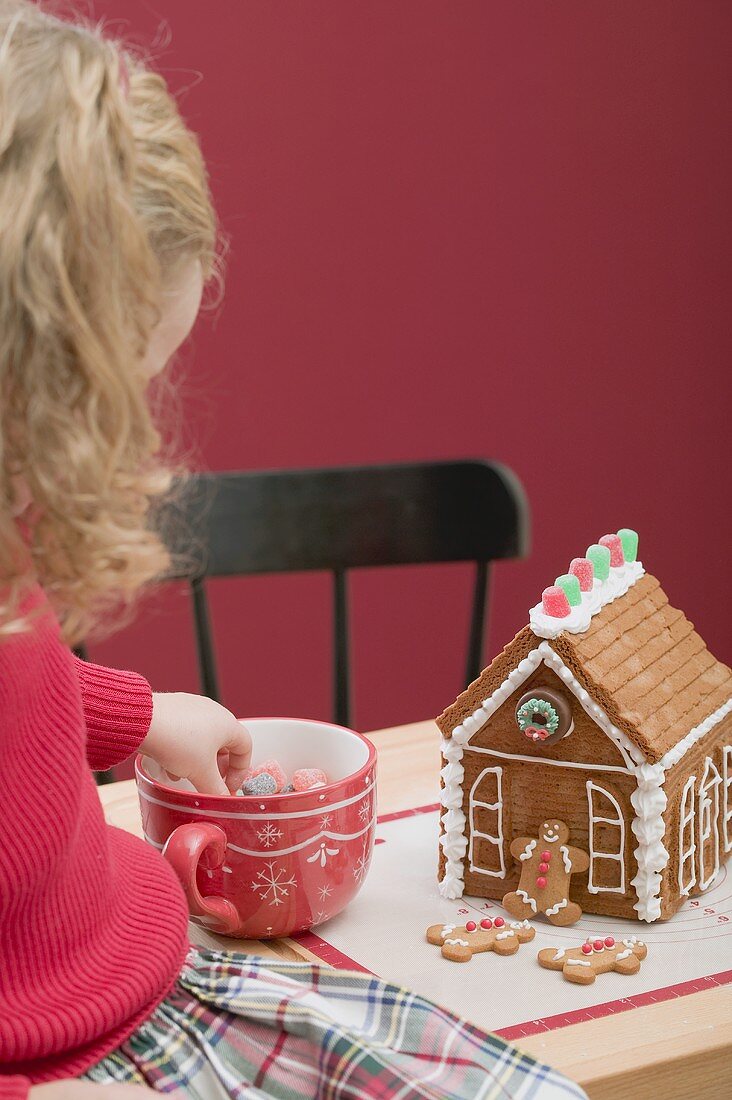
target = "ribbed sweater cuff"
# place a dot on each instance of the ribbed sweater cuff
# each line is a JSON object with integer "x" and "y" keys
{"x": 117, "y": 710}
{"x": 14, "y": 1088}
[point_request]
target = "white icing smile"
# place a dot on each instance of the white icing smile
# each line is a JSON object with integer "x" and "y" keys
{"x": 550, "y": 839}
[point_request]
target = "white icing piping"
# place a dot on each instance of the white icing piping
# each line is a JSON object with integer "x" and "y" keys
{"x": 559, "y": 954}
{"x": 459, "y": 943}
{"x": 681, "y": 747}
{"x": 687, "y": 846}
{"x": 709, "y": 821}
{"x": 624, "y": 954}
{"x": 619, "y": 580}
{"x": 727, "y": 799}
{"x": 649, "y": 802}
{"x": 505, "y": 935}
{"x": 477, "y": 834}
{"x": 552, "y": 763}
{"x": 580, "y": 962}
{"x": 526, "y": 854}
{"x": 564, "y": 850}
{"x": 555, "y": 908}
{"x": 619, "y": 856}
{"x": 527, "y": 899}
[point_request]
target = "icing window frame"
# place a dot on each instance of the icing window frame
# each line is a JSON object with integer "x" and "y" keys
{"x": 708, "y": 820}
{"x": 727, "y": 797}
{"x": 687, "y": 834}
{"x": 496, "y": 807}
{"x": 595, "y": 819}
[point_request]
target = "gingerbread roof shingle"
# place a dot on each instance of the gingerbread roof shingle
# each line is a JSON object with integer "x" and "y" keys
{"x": 640, "y": 659}
{"x": 648, "y": 667}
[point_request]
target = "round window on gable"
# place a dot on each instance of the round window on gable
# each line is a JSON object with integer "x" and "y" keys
{"x": 544, "y": 716}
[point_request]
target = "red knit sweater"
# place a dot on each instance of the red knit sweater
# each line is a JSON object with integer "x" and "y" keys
{"x": 92, "y": 921}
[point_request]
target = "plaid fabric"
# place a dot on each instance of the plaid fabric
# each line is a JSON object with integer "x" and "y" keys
{"x": 236, "y": 1026}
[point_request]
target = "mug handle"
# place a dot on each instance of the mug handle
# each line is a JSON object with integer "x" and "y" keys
{"x": 201, "y": 842}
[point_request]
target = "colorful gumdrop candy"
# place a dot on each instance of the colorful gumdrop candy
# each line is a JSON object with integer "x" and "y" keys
{"x": 629, "y": 539}
{"x": 306, "y": 779}
{"x": 554, "y": 602}
{"x": 584, "y": 571}
{"x": 570, "y": 585}
{"x": 260, "y": 784}
{"x": 272, "y": 768}
{"x": 600, "y": 558}
{"x": 615, "y": 546}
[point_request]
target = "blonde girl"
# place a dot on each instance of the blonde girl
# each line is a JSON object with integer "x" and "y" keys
{"x": 107, "y": 238}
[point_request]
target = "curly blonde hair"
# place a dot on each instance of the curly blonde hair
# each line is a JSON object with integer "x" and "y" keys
{"x": 103, "y": 198}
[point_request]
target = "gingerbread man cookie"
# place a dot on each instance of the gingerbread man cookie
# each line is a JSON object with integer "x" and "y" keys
{"x": 547, "y": 863}
{"x": 583, "y": 964}
{"x": 461, "y": 942}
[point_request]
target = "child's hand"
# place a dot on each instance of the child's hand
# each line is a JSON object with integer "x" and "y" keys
{"x": 193, "y": 738}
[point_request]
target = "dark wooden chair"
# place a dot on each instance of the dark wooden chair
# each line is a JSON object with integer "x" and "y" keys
{"x": 335, "y": 520}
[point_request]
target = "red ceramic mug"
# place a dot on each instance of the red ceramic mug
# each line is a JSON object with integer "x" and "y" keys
{"x": 260, "y": 867}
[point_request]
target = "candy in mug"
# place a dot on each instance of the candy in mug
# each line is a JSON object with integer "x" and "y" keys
{"x": 266, "y": 865}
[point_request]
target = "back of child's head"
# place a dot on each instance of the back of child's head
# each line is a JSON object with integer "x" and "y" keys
{"x": 103, "y": 198}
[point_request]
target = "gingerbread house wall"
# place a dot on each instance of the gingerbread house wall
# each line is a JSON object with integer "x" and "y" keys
{"x": 533, "y": 791}
{"x": 683, "y": 789}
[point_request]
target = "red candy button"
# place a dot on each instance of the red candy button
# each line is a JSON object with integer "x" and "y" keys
{"x": 543, "y": 867}
{"x": 499, "y": 922}
{"x": 586, "y": 948}
{"x": 609, "y": 941}
{"x": 487, "y": 922}
{"x": 554, "y": 601}
{"x": 598, "y": 945}
{"x": 470, "y": 926}
{"x": 615, "y": 546}
{"x": 545, "y": 857}
{"x": 541, "y": 882}
{"x": 584, "y": 571}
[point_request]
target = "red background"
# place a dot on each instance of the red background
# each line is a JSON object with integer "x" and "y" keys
{"x": 457, "y": 229}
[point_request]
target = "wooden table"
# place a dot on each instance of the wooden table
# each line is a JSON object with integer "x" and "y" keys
{"x": 680, "y": 1048}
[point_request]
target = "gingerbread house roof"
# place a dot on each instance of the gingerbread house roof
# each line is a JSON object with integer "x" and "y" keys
{"x": 639, "y": 658}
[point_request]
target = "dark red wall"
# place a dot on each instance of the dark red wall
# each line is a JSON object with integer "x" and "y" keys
{"x": 457, "y": 229}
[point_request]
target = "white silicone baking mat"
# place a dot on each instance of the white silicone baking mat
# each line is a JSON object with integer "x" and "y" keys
{"x": 383, "y": 931}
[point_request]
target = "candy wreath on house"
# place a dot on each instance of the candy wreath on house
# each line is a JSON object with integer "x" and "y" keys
{"x": 607, "y": 713}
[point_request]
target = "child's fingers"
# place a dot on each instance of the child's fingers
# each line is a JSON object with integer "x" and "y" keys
{"x": 240, "y": 755}
{"x": 207, "y": 779}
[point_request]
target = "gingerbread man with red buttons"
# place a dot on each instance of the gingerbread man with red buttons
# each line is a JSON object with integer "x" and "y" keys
{"x": 547, "y": 864}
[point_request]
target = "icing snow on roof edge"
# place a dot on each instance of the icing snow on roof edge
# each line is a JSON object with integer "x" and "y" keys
{"x": 607, "y": 571}
{"x": 619, "y": 580}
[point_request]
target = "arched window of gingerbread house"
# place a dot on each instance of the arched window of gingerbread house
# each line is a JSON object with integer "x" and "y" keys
{"x": 687, "y": 846}
{"x": 709, "y": 825}
{"x": 607, "y": 842}
{"x": 727, "y": 819}
{"x": 486, "y": 824}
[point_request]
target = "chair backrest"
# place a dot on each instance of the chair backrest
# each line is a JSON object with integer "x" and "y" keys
{"x": 337, "y": 519}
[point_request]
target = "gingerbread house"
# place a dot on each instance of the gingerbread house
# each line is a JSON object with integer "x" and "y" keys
{"x": 608, "y": 712}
